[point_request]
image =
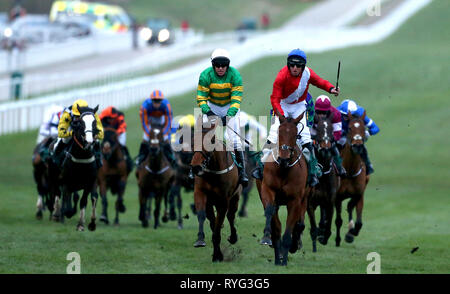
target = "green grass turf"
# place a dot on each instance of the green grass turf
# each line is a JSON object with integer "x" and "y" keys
{"x": 403, "y": 84}
{"x": 216, "y": 16}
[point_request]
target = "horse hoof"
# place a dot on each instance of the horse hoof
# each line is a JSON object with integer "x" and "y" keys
{"x": 80, "y": 228}
{"x": 116, "y": 222}
{"x": 172, "y": 216}
{"x": 266, "y": 241}
{"x": 233, "y": 239}
{"x": 180, "y": 226}
{"x": 217, "y": 257}
{"x": 92, "y": 227}
{"x": 122, "y": 208}
{"x": 349, "y": 238}
{"x": 242, "y": 214}
{"x": 39, "y": 215}
{"x": 104, "y": 219}
{"x": 199, "y": 243}
{"x": 145, "y": 224}
{"x": 165, "y": 219}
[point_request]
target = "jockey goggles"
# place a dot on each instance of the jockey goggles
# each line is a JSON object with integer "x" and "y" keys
{"x": 221, "y": 62}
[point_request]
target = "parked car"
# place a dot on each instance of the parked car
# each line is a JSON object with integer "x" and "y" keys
{"x": 157, "y": 31}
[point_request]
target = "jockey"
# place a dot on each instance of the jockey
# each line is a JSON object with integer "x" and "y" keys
{"x": 219, "y": 93}
{"x": 349, "y": 106}
{"x": 323, "y": 106}
{"x": 65, "y": 133}
{"x": 156, "y": 110}
{"x": 49, "y": 126}
{"x": 114, "y": 118}
{"x": 289, "y": 95}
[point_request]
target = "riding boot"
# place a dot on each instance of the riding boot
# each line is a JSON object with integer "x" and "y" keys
{"x": 365, "y": 157}
{"x": 314, "y": 171}
{"x": 127, "y": 158}
{"x": 57, "y": 152}
{"x": 240, "y": 160}
{"x": 257, "y": 172}
{"x": 144, "y": 149}
{"x": 98, "y": 154}
{"x": 338, "y": 161}
{"x": 168, "y": 152}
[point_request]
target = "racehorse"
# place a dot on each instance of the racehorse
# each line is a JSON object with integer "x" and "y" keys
{"x": 216, "y": 184}
{"x": 40, "y": 174}
{"x": 182, "y": 180}
{"x": 354, "y": 185}
{"x": 113, "y": 174}
{"x": 154, "y": 176}
{"x": 251, "y": 164}
{"x": 79, "y": 169}
{"x": 284, "y": 183}
{"x": 323, "y": 194}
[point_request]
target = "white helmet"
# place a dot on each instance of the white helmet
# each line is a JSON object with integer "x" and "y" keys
{"x": 220, "y": 54}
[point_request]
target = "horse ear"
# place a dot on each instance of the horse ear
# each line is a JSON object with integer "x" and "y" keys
{"x": 350, "y": 116}
{"x": 299, "y": 118}
{"x": 329, "y": 114}
{"x": 96, "y": 108}
{"x": 364, "y": 115}
{"x": 281, "y": 117}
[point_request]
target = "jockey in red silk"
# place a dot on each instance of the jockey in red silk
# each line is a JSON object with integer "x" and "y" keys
{"x": 156, "y": 110}
{"x": 323, "y": 106}
{"x": 115, "y": 119}
{"x": 289, "y": 94}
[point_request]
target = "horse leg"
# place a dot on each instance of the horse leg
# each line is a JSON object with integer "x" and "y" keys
{"x": 243, "y": 210}
{"x": 313, "y": 230}
{"x": 328, "y": 221}
{"x": 143, "y": 207}
{"x": 322, "y": 224}
{"x": 165, "y": 217}
{"x": 94, "y": 197}
{"x": 294, "y": 210}
{"x": 120, "y": 207}
{"x": 231, "y": 214}
{"x": 200, "y": 207}
{"x": 179, "y": 206}
{"x": 83, "y": 204}
{"x": 104, "y": 216}
{"x": 57, "y": 209}
{"x": 174, "y": 193}
{"x": 158, "y": 198}
{"x": 349, "y": 237}
{"x": 358, "y": 225}
{"x": 338, "y": 221}
{"x": 268, "y": 200}
{"x": 216, "y": 237}
{"x": 276, "y": 236}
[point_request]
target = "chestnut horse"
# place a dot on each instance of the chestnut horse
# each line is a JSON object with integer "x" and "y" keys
{"x": 154, "y": 176}
{"x": 284, "y": 183}
{"x": 323, "y": 194}
{"x": 113, "y": 174}
{"x": 216, "y": 184}
{"x": 354, "y": 185}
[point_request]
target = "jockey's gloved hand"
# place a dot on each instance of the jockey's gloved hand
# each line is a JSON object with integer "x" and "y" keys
{"x": 224, "y": 121}
{"x": 205, "y": 108}
{"x": 232, "y": 111}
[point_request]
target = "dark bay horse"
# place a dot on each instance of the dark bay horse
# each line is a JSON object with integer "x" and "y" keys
{"x": 284, "y": 183}
{"x": 182, "y": 180}
{"x": 323, "y": 195}
{"x": 354, "y": 185}
{"x": 216, "y": 184}
{"x": 79, "y": 169}
{"x": 113, "y": 174}
{"x": 41, "y": 178}
{"x": 154, "y": 176}
{"x": 251, "y": 164}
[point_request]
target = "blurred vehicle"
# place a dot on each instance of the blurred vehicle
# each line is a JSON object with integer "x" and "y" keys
{"x": 157, "y": 31}
{"x": 76, "y": 26}
{"x": 105, "y": 17}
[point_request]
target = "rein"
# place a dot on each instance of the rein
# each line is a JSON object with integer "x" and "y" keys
{"x": 216, "y": 172}
{"x": 292, "y": 164}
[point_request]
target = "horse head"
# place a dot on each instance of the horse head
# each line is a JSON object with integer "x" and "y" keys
{"x": 204, "y": 143}
{"x": 156, "y": 139}
{"x": 85, "y": 127}
{"x": 110, "y": 142}
{"x": 324, "y": 136}
{"x": 356, "y": 132}
{"x": 287, "y": 138}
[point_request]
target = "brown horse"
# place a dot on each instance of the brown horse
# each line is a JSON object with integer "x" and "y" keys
{"x": 323, "y": 194}
{"x": 154, "y": 176}
{"x": 251, "y": 164}
{"x": 216, "y": 184}
{"x": 284, "y": 183}
{"x": 354, "y": 185}
{"x": 113, "y": 174}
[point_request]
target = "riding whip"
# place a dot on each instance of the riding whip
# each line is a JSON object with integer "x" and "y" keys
{"x": 242, "y": 138}
{"x": 339, "y": 70}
